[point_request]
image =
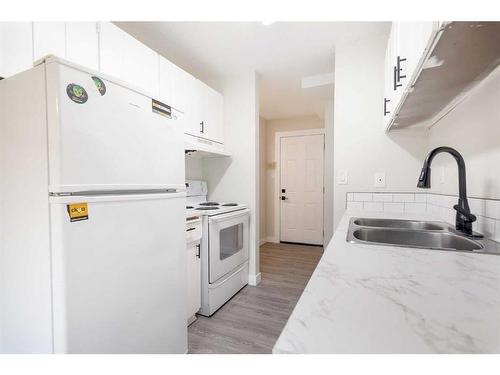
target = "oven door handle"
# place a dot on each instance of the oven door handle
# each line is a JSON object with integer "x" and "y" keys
{"x": 229, "y": 215}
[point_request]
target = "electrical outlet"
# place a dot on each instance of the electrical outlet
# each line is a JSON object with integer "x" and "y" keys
{"x": 342, "y": 177}
{"x": 379, "y": 179}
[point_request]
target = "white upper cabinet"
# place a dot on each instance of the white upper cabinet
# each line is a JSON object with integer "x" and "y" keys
{"x": 407, "y": 48}
{"x": 177, "y": 89}
{"x": 209, "y": 113}
{"x": 127, "y": 59}
{"x": 49, "y": 38}
{"x": 166, "y": 81}
{"x": 389, "y": 90}
{"x": 16, "y": 47}
{"x": 82, "y": 44}
{"x": 413, "y": 38}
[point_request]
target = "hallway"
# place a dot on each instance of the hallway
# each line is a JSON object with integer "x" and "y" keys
{"x": 253, "y": 319}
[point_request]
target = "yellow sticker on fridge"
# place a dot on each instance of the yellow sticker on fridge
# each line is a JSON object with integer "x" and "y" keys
{"x": 78, "y": 211}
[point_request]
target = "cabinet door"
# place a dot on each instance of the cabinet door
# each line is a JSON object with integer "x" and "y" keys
{"x": 193, "y": 279}
{"x": 166, "y": 85}
{"x": 82, "y": 46}
{"x": 214, "y": 115}
{"x": 413, "y": 38}
{"x": 389, "y": 92}
{"x": 127, "y": 59}
{"x": 16, "y": 47}
{"x": 49, "y": 38}
{"x": 200, "y": 124}
{"x": 209, "y": 111}
{"x": 219, "y": 117}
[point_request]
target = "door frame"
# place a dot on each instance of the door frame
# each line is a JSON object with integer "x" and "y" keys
{"x": 277, "y": 176}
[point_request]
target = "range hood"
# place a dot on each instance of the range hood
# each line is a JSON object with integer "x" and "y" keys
{"x": 201, "y": 148}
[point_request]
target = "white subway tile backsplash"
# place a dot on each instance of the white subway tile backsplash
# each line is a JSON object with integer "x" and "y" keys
{"x": 477, "y": 206}
{"x": 415, "y": 208}
{"x": 448, "y": 215}
{"x": 394, "y": 207}
{"x": 421, "y": 198}
{"x": 496, "y": 237}
{"x": 449, "y": 201}
{"x": 433, "y": 210}
{"x": 438, "y": 206}
{"x": 492, "y": 209}
{"x": 433, "y": 199}
{"x": 363, "y": 197}
{"x": 355, "y": 205}
{"x": 486, "y": 226}
{"x": 373, "y": 206}
{"x": 382, "y": 197}
{"x": 403, "y": 197}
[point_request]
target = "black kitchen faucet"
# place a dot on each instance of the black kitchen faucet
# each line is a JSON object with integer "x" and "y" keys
{"x": 464, "y": 218}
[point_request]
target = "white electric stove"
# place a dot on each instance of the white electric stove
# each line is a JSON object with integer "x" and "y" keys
{"x": 224, "y": 246}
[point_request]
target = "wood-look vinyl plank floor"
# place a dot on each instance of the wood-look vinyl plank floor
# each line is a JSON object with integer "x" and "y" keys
{"x": 253, "y": 319}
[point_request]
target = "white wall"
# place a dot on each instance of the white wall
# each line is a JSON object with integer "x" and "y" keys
{"x": 236, "y": 178}
{"x": 329, "y": 176}
{"x": 360, "y": 145}
{"x": 262, "y": 179}
{"x": 473, "y": 128}
{"x": 271, "y": 128}
{"x": 194, "y": 168}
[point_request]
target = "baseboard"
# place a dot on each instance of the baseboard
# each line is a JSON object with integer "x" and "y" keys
{"x": 254, "y": 280}
{"x": 268, "y": 239}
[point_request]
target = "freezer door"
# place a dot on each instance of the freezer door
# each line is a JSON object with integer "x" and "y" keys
{"x": 119, "y": 275}
{"x": 105, "y": 136}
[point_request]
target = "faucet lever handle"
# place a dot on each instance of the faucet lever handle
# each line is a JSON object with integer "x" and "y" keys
{"x": 470, "y": 217}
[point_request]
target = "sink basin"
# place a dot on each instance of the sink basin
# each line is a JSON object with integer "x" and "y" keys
{"x": 414, "y": 233}
{"x": 415, "y": 238}
{"x": 403, "y": 224}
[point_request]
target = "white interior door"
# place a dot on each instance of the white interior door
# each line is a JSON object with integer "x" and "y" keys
{"x": 301, "y": 190}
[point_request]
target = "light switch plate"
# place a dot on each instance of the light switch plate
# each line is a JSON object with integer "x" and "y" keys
{"x": 342, "y": 177}
{"x": 379, "y": 179}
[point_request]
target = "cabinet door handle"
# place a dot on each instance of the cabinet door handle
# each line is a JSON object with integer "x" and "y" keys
{"x": 386, "y": 112}
{"x": 396, "y": 84}
{"x": 202, "y": 127}
{"x": 399, "y": 69}
{"x": 198, "y": 250}
{"x": 190, "y": 229}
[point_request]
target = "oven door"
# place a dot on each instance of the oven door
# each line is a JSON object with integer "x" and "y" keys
{"x": 228, "y": 242}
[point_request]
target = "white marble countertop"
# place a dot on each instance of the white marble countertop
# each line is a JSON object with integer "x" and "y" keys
{"x": 381, "y": 299}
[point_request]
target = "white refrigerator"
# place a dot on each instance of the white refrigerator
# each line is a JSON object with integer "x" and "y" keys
{"x": 92, "y": 222}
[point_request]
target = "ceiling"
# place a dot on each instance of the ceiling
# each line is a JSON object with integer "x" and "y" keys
{"x": 282, "y": 53}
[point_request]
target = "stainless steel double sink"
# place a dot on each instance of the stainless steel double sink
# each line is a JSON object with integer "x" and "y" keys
{"x": 412, "y": 233}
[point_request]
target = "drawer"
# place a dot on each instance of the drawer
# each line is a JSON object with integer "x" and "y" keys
{"x": 193, "y": 230}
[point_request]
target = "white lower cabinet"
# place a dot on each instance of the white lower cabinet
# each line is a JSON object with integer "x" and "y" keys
{"x": 193, "y": 253}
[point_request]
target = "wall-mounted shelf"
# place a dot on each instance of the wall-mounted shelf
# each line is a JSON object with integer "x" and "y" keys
{"x": 462, "y": 55}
